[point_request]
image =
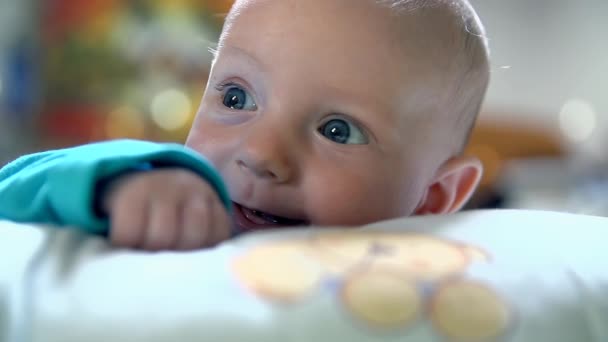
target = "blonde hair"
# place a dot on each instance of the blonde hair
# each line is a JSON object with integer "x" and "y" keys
{"x": 471, "y": 56}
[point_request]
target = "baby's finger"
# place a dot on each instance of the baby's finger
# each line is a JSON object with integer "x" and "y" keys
{"x": 221, "y": 228}
{"x": 195, "y": 226}
{"x": 164, "y": 225}
{"x": 128, "y": 220}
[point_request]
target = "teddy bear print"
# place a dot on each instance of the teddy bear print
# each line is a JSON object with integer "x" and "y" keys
{"x": 388, "y": 281}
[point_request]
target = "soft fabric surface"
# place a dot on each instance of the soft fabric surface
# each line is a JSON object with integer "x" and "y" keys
{"x": 513, "y": 276}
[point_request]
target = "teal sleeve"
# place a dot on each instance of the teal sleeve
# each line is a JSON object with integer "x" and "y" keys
{"x": 58, "y": 187}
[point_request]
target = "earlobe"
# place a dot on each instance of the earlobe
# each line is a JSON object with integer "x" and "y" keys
{"x": 454, "y": 184}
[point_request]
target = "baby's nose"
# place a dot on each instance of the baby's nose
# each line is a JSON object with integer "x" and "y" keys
{"x": 266, "y": 159}
{"x": 265, "y": 169}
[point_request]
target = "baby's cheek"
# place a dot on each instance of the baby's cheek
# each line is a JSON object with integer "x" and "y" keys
{"x": 344, "y": 200}
{"x": 196, "y": 137}
{"x": 208, "y": 140}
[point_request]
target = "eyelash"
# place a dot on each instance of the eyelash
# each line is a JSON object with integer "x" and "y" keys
{"x": 224, "y": 86}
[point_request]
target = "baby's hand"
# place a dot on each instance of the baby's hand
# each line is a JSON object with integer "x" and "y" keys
{"x": 165, "y": 209}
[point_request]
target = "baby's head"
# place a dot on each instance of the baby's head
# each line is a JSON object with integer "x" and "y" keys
{"x": 344, "y": 112}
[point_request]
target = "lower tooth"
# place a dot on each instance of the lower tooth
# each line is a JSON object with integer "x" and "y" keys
{"x": 266, "y": 217}
{"x": 271, "y": 219}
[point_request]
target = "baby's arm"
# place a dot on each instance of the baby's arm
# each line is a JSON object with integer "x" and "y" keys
{"x": 61, "y": 187}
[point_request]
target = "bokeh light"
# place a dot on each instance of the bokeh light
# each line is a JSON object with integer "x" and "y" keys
{"x": 578, "y": 120}
{"x": 171, "y": 109}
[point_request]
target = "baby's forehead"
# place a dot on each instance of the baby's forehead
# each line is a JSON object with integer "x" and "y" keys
{"x": 428, "y": 37}
{"x": 425, "y": 30}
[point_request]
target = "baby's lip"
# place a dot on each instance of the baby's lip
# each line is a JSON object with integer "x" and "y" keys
{"x": 248, "y": 219}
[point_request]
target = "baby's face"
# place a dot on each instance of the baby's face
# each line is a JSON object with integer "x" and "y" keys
{"x": 310, "y": 115}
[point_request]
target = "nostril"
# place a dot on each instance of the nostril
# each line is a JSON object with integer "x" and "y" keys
{"x": 241, "y": 164}
{"x": 270, "y": 174}
{"x": 268, "y": 169}
{"x": 259, "y": 171}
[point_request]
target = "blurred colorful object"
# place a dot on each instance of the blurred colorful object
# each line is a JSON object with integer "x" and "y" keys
{"x": 20, "y": 98}
{"x": 125, "y": 69}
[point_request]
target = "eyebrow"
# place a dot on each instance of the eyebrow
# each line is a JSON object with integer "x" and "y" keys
{"x": 232, "y": 49}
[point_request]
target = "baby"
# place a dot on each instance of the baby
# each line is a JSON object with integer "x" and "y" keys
{"x": 317, "y": 112}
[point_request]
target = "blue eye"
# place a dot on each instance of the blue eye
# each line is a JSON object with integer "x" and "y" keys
{"x": 238, "y": 98}
{"x": 343, "y": 132}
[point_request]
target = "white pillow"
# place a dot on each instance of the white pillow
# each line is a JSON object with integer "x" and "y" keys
{"x": 516, "y": 276}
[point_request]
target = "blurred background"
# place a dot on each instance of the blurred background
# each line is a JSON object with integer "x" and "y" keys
{"x": 76, "y": 71}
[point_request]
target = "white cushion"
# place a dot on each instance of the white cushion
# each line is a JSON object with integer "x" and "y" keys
{"x": 516, "y": 276}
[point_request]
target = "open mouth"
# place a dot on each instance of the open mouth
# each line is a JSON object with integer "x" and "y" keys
{"x": 251, "y": 219}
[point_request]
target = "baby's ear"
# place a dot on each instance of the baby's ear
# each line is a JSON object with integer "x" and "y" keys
{"x": 454, "y": 184}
